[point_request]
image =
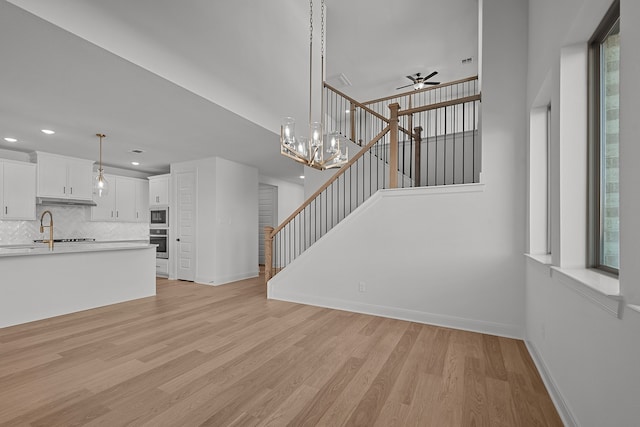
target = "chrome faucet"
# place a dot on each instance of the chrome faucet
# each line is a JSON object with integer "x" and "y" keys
{"x": 50, "y": 241}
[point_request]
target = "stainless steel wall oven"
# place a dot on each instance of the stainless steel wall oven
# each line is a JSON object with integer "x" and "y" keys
{"x": 160, "y": 237}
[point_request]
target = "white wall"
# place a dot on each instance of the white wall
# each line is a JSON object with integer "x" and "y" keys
{"x": 630, "y": 152}
{"x": 236, "y": 222}
{"x": 422, "y": 255}
{"x": 588, "y": 356}
{"x": 227, "y": 210}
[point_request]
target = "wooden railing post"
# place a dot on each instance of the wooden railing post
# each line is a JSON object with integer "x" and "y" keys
{"x": 268, "y": 253}
{"x": 352, "y": 121}
{"x": 393, "y": 146}
{"x": 418, "y": 138}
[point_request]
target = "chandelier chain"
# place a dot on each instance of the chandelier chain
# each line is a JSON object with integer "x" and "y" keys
{"x": 322, "y": 28}
{"x": 310, "y": 21}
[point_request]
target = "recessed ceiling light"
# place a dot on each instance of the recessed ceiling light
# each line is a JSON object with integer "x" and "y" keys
{"x": 135, "y": 163}
{"x": 10, "y": 139}
{"x": 48, "y": 131}
{"x": 301, "y": 176}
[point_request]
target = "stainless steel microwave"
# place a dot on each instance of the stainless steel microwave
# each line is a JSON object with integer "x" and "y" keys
{"x": 159, "y": 217}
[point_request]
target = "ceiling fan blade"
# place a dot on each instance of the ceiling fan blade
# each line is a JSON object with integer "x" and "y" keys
{"x": 431, "y": 83}
{"x": 411, "y": 78}
{"x": 402, "y": 87}
{"x": 431, "y": 75}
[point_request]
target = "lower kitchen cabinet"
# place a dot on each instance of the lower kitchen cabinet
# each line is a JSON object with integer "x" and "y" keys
{"x": 162, "y": 267}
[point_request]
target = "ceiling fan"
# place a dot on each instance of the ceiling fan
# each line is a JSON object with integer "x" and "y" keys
{"x": 420, "y": 81}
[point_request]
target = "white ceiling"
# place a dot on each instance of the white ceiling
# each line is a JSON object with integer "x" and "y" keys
{"x": 199, "y": 78}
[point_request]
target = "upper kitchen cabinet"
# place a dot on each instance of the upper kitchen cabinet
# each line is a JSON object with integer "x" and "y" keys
{"x": 17, "y": 190}
{"x": 126, "y": 201}
{"x": 142, "y": 200}
{"x": 105, "y": 208}
{"x": 65, "y": 177}
{"x": 159, "y": 190}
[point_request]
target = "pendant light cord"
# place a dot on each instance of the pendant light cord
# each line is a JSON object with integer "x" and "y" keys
{"x": 322, "y": 66}
{"x": 100, "y": 135}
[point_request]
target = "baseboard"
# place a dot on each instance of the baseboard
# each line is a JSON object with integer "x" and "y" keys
{"x": 227, "y": 279}
{"x": 472, "y": 325}
{"x": 561, "y": 406}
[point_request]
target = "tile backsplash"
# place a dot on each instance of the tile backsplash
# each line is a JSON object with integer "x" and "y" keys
{"x": 70, "y": 222}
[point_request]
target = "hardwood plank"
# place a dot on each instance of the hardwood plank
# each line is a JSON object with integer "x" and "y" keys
{"x": 500, "y": 403}
{"x": 474, "y": 405}
{"x": 435, "y": 363}
{"x": 375, "y": 351}
{"x": 375, "y": 397}
{"x": 449, "y": 400}
{"x": 287, "y": 410}
{"x": 494, "y": 368}
{"x": 310, "y": 415}
{"x": 424, "y": 401}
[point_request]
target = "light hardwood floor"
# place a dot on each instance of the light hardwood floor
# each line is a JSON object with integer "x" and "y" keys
{"x": 227, "y": 356}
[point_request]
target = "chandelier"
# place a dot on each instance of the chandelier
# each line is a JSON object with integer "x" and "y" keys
{"x": 318, "y": 150}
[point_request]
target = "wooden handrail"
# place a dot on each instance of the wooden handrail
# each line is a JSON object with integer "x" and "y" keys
{"x": 331, "y": 180}
{"x": 356, "y": 103}
{"x": 413, "y": 92}
{"x": 440, "y": 105}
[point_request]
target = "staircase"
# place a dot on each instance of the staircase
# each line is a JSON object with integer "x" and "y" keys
{"x": 425, "y": 137}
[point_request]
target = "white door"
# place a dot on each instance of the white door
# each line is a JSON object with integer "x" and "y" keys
{"x": 185, "y": 236}
{"x": 267, "y": 214}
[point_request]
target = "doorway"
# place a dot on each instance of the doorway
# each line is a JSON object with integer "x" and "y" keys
{"x": 267, "y": 214}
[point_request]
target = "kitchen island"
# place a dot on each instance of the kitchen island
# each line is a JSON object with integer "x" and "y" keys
{"x": 36, "y": 283}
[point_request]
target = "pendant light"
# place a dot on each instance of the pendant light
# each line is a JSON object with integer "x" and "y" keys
{"x": 100, "y": 184}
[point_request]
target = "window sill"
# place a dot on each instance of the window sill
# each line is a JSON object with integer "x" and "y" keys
{"x": 544, "y": 259}
{"x": 602, "y": 290}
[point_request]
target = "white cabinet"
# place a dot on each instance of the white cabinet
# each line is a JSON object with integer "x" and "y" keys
{"x": 142, "y": 200}
{"x": 17, "y": 190}
{"x": 159, "y": 190}
{"x": 162, "y": 267}
{"x": 105, "y": 209}
{"x": 77, "y": 172}
{"x": 65, "y": 177}
{"x": 122, "y": 203}
{"x": 125, "y": 199}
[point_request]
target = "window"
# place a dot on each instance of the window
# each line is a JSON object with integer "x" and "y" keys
{"x": 539, "y": 181}
{"x": 604, "y": 127}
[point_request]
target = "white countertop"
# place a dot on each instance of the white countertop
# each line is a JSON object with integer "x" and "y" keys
{"x": 66, "y": 248}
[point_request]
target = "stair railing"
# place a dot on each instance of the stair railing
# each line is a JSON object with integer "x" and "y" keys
{"x": 420, "y": 145}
